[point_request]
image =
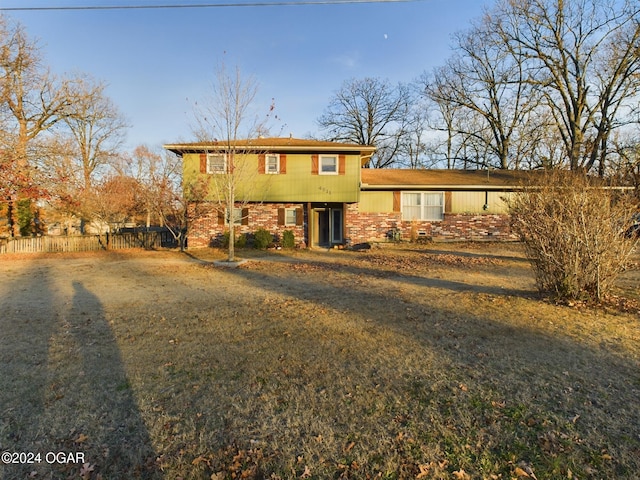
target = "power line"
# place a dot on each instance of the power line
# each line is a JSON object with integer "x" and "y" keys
{"x": 204, "y": 5}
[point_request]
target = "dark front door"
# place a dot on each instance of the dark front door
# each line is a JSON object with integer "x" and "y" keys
{"x": 327, "y": 229}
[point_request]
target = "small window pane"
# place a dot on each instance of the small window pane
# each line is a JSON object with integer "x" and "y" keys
{"x": 412, "y": 199}
{"x": 215, "y": 163}
{"x": 237, "y": 216}
{"x": 290, "y": 216}
{"x": 433, "y": 199}
{"x": 329, "y": 164}
{"x": 271, "y": 164}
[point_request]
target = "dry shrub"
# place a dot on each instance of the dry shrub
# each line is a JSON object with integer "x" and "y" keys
{"x": 573, "y": 231}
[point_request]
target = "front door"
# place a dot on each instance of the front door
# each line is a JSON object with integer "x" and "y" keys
{"x": 327, "y": 229}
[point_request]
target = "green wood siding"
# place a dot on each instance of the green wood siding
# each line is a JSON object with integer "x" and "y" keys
{"x": 376, "y": 202}
{"x": 473, "y": 202}
{"x": 298, "y": 184}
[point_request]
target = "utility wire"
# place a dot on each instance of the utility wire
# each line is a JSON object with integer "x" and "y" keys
{"x": 204, "y": 5}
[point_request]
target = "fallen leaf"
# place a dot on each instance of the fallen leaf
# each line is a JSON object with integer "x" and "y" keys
{"x": 462, "y": 475}
{"x": 199, "y": 460}
{"x": 520, "y": 473}
{"x": 81, "y": 438}
{"x": 306, "y": 473}
{"x": 424, "y": 471}
{"x": 85, "y": 470}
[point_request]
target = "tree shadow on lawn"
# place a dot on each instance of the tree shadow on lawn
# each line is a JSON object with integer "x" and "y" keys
{"x": 470, "y": 254}
{"x": 559, "y": 404}
{"x": 64, "y": 388}
{"x": 408, "y": 277}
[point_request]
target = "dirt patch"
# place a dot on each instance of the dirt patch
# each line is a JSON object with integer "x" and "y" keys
{"x": 438, "y": 361}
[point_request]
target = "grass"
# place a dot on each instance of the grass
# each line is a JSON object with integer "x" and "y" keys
{"x": 434, "y": 362}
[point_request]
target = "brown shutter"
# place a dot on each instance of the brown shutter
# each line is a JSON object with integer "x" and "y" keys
{"x": 299, "y": 216}
{"x": 203, "y": 163}
{"x": 281, "y": 214}
{"x": 245, "y": 216}
{"x": 283, "y": 163}
{"x": 261, "y": 163}
{"x": 447, "y": 202}
{"x": 221, "y": 217}
{"x": 396, "y": 201}
{"x": 341, "y": 164}
{"x": 314, "y": 164}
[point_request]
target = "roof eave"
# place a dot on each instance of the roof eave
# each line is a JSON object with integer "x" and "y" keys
{"x": 449, "y": 186}
{"x": 182, "y": 149}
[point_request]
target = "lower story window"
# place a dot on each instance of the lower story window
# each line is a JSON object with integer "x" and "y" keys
{"x": 423, "y": 206}
{"x": 237, "y": 216}
{"x": 290, "y": 216}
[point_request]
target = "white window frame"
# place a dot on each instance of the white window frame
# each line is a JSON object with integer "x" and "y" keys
{"x": 277, "y": 163}
{"x": 287, "y": 220}
{"x": 425, "y": 208}
{"x": 218, "y": 168}
{"x": 321, "y": 170}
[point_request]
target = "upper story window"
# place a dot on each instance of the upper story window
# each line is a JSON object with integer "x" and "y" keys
{"x": 423, "y": 206}
{"x": 272, "y": 163}
{"x": 216, "y": 163}
{"x": 328, "y": 165}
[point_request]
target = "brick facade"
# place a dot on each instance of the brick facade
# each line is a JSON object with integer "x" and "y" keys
{"x": 206, "y": 228}
{"x": 367, "y": 227}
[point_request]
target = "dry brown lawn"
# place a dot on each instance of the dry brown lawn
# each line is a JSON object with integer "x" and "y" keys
{"x": 437, "y": 361}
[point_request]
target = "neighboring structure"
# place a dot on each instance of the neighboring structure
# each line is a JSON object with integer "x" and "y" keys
{"x": 320, "y": 191}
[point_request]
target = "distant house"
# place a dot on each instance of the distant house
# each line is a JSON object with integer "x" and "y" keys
{"x": 321, "y": 192}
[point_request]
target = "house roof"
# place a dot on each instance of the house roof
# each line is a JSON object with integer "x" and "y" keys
{"x": 282, "y": 144}
{"x": 384, "y": 179}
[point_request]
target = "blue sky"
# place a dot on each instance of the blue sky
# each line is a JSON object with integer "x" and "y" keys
{"x": 157, "y": 62}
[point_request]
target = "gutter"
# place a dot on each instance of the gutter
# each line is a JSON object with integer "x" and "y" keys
{"x": 366, "y": 186}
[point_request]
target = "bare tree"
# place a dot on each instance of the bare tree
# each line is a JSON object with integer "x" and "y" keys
{"x": 227, "y": 120}
{"x": 159, "y": 176}
{"x": 369, "y": 111}
{"x": 96, "y": 126}
{"x": 582, "y": 56}
{"x": 485, "y": 81}
{"x": 32, "y": 101}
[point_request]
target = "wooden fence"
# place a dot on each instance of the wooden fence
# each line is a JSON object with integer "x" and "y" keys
{"x": 85, "y": 243}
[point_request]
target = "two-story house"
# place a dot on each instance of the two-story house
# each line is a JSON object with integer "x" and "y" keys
{"x": 320, "y": 191}
{"x": 280, "y": 184}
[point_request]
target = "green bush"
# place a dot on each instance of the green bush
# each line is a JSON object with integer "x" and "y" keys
{"x": 241, "y": 240}
{"x": 288, "y": 239}
{"x": 224, "y": 240}
{"x": 262, "y": 238}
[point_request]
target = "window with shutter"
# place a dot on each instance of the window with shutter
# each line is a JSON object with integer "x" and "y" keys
{"x": 427, "y": 206}
{"x": 328, "y": 165}
{"x": 272, "y": 163}
{"x": 216, "y": 163}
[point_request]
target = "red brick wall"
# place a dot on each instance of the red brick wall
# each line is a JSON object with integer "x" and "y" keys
{"x": 204, "y": 229}
{"x": 366, "y": 227}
